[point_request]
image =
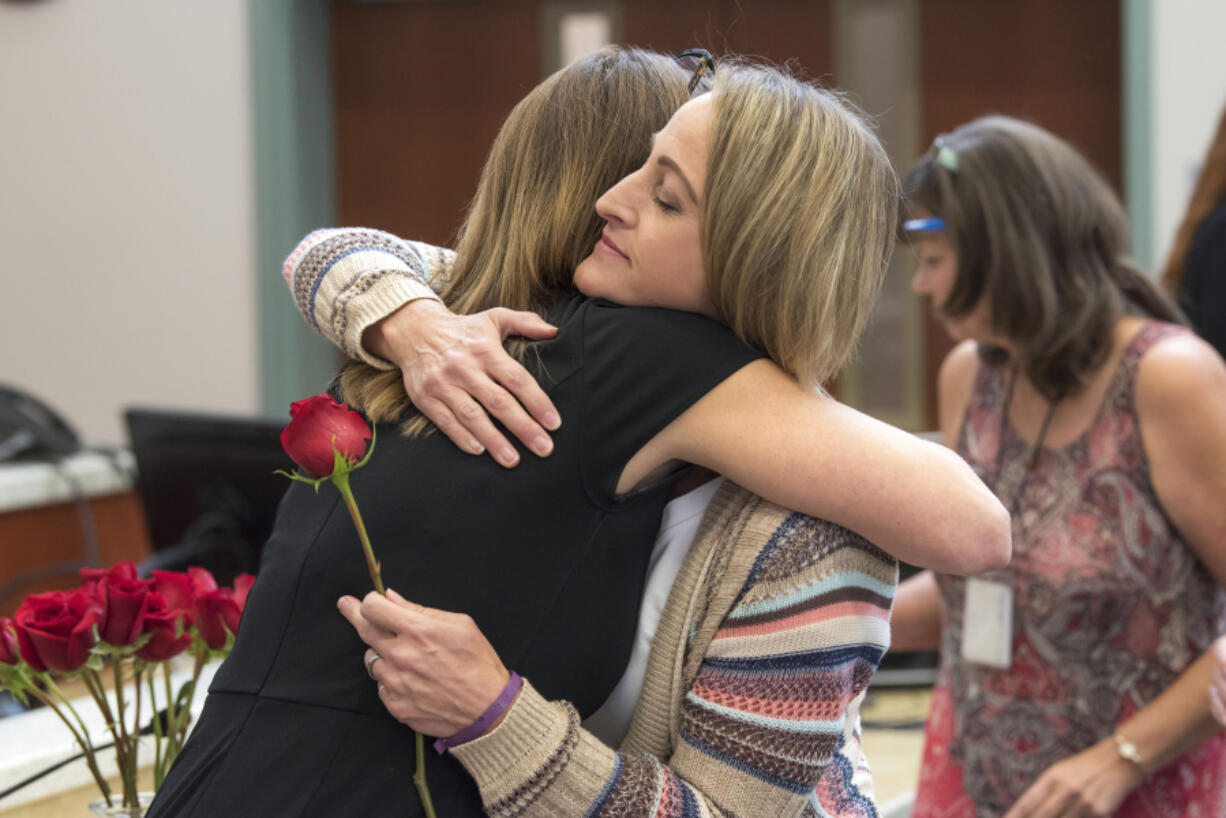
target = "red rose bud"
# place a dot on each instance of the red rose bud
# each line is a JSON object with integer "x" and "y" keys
{"x": 242, "y": 587}
{"x": 8, "y": 642}
{"x": 90, "y": 577}
{"x": 162, "y": 622}
{"x": 218, "y": 612}
{"x": 178, "y": 590}
{"x": 125, "y": 601}
{"x": 317, "y": 424}
{"x": 202, "y": 581}
{"x": 55, "y": 630}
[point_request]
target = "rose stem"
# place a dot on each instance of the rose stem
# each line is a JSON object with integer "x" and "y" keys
{"x": 342, "y": 485}
{"x": 419, "y": 777}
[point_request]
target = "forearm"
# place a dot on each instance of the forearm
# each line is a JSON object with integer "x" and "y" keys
{"x": 345, "y": 280}
{"x": 1176, "y": 721}
{"x": 539, "y": 763}
{"x": 916, "y": 500}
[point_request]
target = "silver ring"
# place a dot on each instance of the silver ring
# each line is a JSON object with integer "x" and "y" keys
{"x": 370, "y": 663}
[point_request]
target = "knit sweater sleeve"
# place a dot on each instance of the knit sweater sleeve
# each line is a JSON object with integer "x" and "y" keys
{"x": 345, "y": 279}
{"x": 765, "y": 727}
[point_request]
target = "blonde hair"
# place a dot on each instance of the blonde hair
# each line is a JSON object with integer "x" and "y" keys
{"x": 533, "y": 218}
{"x": 1041, "y": 235}
{"x": 799, "y": 218}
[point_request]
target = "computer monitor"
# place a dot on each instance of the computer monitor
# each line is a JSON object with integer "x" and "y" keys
{"x": 208, "y": 487}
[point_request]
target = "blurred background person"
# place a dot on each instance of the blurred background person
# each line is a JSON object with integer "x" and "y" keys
{"x": 1074, "y": 681}
{"x": 1196, "y": 269}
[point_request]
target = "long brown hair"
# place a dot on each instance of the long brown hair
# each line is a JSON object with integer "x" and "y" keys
{"x": 1041, "y": 235}
{"x": 799, "y": 218}
{"x": 1210, "y": 190}
{"x": 533, "y": 218}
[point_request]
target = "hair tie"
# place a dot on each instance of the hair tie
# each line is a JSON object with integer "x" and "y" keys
{"x": 946, "y": 156}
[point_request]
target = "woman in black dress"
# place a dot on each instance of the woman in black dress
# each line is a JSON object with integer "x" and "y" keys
{"x": 548, "y": 560}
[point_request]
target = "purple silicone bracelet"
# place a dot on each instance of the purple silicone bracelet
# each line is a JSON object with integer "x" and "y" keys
{"x": 487, "y": 718}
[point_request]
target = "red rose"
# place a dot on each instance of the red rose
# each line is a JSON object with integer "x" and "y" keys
{"x": 178, "y": 590}
{"x": 219, "y": 612}
{"x": 317, "y": 424}
{"x": 163, "y": 622}
{"x": 8, "y": 642}
{"x": 242, "y": 587}
{"x": 55, "y": 630}
{"x": 90, "y": 577}
{"x": 123, "y": 596}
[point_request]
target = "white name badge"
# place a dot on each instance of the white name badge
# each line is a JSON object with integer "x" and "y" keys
{"x": 987, "y": 624}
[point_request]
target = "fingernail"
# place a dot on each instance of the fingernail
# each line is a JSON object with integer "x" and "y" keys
{"x": 542, "y": 445}
{"x": 508, "y": 457}
{"x": 552, "y": 421}
{"x": 343, "y": 604}
{"x": 391, "y": 594}
{"x": 475, "y": 448}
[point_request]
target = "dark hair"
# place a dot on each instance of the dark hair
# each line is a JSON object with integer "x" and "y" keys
{"x": 1041, "y": 235}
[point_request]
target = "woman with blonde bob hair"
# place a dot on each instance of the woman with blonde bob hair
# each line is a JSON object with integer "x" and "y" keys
{"x": 548, "y": 562}
{"x": 1100, "y": 422}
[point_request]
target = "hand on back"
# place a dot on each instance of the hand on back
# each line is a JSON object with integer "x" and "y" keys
{"x": 458, "y": 374}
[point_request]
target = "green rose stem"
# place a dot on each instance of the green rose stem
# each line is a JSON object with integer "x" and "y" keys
{"x": 81, "y": 737}
{"x": 93, "y": 683}
{"x": 419, "y": 776}
{"x": 341, "y": 481}
{"x": 159, "y": 738}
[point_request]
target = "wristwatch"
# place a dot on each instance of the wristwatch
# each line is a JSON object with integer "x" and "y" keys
{"x": 1129, "y": 752}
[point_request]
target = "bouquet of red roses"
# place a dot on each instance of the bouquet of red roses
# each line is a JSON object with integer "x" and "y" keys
{"x": 132, "y": 625}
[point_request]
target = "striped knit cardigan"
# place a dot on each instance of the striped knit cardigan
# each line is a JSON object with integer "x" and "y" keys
{"x": 770, "y": 634}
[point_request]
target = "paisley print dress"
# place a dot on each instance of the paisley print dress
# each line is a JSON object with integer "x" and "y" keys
{"x": 1110, "y": 605}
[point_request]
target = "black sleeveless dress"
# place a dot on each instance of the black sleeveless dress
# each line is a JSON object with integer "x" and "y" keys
{"x": 546, "y": 558}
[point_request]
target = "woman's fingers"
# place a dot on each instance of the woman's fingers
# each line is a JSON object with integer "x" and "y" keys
{"x": 458, "y": 374}
{"x": 471, "y": 415}
{"x": 370, "y": 633}
{"x": 514, "y": 377}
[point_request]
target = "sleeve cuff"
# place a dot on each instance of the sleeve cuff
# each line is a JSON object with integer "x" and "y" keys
{"x": 523, "y": 742}
{"x": 381, "y": 300}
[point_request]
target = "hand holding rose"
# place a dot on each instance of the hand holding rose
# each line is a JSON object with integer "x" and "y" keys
{"x": 436, "y": 672}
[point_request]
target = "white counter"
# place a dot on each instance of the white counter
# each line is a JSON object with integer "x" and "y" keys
{"x": 25, "y": 485}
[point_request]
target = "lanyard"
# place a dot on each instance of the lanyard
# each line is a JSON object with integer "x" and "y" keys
{"x": 1031, "y": 459}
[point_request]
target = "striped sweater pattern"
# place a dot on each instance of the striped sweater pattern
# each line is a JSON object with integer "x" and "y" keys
{"x": 771, "y": 714}
{"x": 344, "y": 280}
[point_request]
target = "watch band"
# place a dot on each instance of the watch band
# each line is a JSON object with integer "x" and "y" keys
{"x": 1129, "y": 752}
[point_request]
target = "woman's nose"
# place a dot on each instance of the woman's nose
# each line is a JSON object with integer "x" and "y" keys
{"x": 617, "y": 203}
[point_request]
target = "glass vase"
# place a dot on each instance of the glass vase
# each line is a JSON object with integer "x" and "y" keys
{"x": 117, "y": 810}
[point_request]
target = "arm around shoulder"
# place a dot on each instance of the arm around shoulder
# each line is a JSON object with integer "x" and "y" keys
{"x": 344, "y": 280}
{"x": 917, "y": 500}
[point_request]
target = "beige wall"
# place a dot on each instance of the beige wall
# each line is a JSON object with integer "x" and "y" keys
{"x": 126, "y": 207}
{"x": 1187, "y": 95}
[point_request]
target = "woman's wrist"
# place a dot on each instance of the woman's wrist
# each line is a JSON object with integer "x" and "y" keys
{"x": 487, "y": 721}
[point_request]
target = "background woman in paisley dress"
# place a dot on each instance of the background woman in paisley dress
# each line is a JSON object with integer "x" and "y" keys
{"x": 1100, "y": 422}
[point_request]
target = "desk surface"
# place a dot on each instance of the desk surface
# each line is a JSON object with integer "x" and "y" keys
{"x": 92, "y": 474}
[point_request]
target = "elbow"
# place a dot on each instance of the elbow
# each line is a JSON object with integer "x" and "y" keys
{"x": 990, "y": 546}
